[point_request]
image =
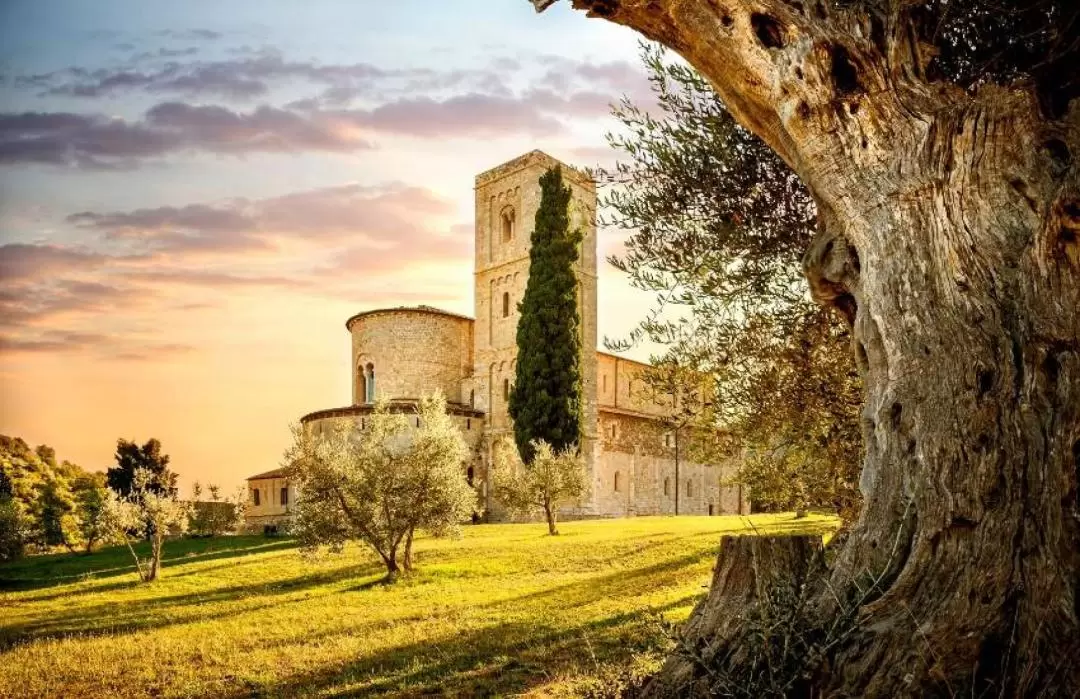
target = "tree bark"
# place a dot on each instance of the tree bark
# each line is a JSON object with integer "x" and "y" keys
{"x": 549, "y": 512}
{"x": 407, "y": 562}
{"x": 392, "y": 568}
{"x": 948, "y": 239}
{"x": 155, "y": 555}
{"x": 750, "y": 570}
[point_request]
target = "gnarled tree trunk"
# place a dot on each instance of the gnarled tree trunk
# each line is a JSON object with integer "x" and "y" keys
{"x": 948, "y": 238}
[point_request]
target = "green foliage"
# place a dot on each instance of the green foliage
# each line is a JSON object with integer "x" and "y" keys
{"x": 552, "y": 480}
{"x": 89, "y": 490}
{"x": 380, "y": 484}
{"x": 217, "y": 515}
{"x": 717, "y": 228}
{"x": 13, "y": 526}
{"x": 545, "y": 402}
{"x": 46, "y": 503}
{"x": 130, "y": 457}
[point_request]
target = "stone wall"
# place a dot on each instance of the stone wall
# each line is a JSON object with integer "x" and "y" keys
{"x": 619, "y": 385}
{"x": 635, "y": 472}
{"x": 270, "y": 510}
{"x": 414, "y": 351}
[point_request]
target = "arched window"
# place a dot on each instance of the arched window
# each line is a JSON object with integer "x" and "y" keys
{"x": 506, "y": 389}
{"x": 616, "y": 481}
{"x": 506, "y": 304}
{"x": 507, "y": 224}
{"x": 667, "y": 486}
{"x": 469, "y": 476}
{"x": 361, "y": 385}
{"x": 370, "y": 395}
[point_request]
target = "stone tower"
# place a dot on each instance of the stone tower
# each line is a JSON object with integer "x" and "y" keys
{"x": 507, "y": 198}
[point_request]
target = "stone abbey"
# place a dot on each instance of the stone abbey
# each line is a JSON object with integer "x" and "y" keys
{"x": 404, "y": 353}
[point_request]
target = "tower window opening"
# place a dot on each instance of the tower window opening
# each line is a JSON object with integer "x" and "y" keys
{"x": 667, "y": 486}
{"x": 689, "y": 489}
{"x": 616, "y": 481}
{"x": 506, "y": 304}
{"x": 472, "y": 398}
{"x": 468, "y": 423}
{"x": 369, "y": 384}
{"x": 507, "y": 225}
{"x": 506, "y": 389}
{"x": 469, "y": 476}
{"x": 255, "y": 496}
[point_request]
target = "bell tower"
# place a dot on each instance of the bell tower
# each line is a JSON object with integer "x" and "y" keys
{"x": 507, "y": 197}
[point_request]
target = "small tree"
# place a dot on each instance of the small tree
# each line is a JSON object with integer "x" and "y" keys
{"x": 380, "y": 484}
{"x": 145, "y": 509}
{"x": 553, "y": 479}
{"x": 90, "y": 493}
{"x": 545, "y": 402}
{"x": 217, "y": 515}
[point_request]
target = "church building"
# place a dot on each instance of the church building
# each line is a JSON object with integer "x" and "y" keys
{"x": 406, "y": 352}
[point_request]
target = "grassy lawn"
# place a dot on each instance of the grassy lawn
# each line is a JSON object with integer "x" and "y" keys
{"x": 503, "y": 610}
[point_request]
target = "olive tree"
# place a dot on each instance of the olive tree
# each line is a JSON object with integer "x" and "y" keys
{"x": 939, "y": 141}
{"x": 554, "y": 478}
{"x": 380, "y": 484}
{"x": 148, "y": 509}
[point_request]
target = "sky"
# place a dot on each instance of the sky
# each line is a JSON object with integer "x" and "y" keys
{"x": 195, "y": 196}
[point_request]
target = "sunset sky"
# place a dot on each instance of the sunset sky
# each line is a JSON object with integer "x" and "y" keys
{"x": 194, "y": 196}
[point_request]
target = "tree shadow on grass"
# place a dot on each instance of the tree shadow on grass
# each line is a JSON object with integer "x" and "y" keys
{"x": 135, "y": 615}
{"x": 495, "y": 660}
{"x": 51, "y": 570}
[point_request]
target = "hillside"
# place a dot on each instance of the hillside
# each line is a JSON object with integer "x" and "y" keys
{"x": 503, "y": 610}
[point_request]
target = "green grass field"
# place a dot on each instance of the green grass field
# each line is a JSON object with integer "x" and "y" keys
{"x": 504, "y": 610}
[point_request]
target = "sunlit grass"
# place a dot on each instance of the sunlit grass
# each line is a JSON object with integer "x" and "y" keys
{"x": 503, "y": 610}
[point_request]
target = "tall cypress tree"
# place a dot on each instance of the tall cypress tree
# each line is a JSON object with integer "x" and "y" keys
{"x": 545, "y": 402}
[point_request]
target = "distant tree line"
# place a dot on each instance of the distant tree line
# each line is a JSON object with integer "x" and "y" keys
{"x": 47, "y": 504}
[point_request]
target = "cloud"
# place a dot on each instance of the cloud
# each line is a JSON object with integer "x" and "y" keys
{"x": 98, "y": 142}
{"x": 239, "y": 78}
{"x": 105, "y": 346}
{"x": 20, "y": 261}
{"x": 32, "y": 303}
{"x": 214, "y": 279}
{"x": 191, "y": 34}
{"x": 365, "y": 235}
{"x": 379, "y": 215}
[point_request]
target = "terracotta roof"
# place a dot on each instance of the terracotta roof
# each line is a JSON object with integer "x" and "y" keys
{"x": 276, "y": 473}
